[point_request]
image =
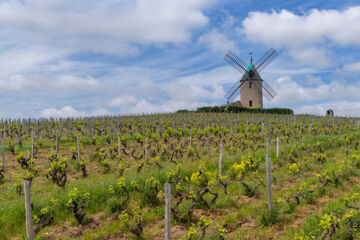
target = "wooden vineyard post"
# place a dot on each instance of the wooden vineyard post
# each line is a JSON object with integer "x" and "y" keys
{"x": 132, "y": 138}
{"x": 208, "y": 142}
{"x": 294, "y": 131}
{"x": 2, "y": 149}
{"x": 220, "y": 156}
{"x": 184, "y": 135}
{"x": 32, "y": 144}
{"x": 57, "y": 142}
{"x": 37, "y": 131}
{"x": 119, "y": 155}
{"x": 268, "y": 177}
{"x": 204, "y": 139}
{"x": 78, "y": 148}
{"x": 28, "y": 211}
{"x": 262, "y": 128}
{"x": 190, "y": 138}
{"x": 16, "y": 136}
{"x": 340, "y": 128}
{"x": 167, "y": 211}
{"x": 146, "y": 150}
{"x": 277, "y": 147}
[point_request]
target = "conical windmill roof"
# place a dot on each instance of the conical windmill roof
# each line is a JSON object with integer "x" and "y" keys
{"x": 255, "y": 77}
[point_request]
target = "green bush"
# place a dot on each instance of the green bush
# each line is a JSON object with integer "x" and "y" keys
{"x": 237, "y": 109}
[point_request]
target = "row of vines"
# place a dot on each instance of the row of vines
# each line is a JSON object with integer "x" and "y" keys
{"x": 116, "y": 167}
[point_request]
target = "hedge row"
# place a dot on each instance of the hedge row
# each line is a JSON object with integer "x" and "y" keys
{"x": 236, "y": 109}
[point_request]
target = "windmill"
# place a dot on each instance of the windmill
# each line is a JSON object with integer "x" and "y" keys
{"x": 250, "y": 86}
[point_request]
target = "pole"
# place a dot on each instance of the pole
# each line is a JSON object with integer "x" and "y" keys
{"x": 118, "y": 138}
{"x": 208, "y": 138}
{"x": 2, "y": 149}
{"x": 32, "y": 143}
{"x": 220, "y": 157}
{"x": 78, "y": 148}
{"x": 57, "y": 142}
{"x": 277, "y": 147}
{"x": 190, "y": 138}
{"x": 132, "y": 138}
{"x": 28, "y": 211}
{"x": 167, "y": 211}
{"x": 146, "y": 150}
{"x": 268, "y": 177}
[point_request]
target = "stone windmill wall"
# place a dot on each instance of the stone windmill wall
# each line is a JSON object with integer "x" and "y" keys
{"x": 251, "y": 94}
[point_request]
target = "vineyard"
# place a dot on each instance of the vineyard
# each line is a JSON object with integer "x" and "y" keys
{"x": 103, "y": 178}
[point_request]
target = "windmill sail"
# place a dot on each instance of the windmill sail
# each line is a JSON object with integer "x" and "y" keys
{"x": 250, "y": 73}
{"x": 268, "y": 92}
{"x": 236, "y": 62}
{"x": 234, "y": 91}
{"x": 266, "y": 59}
{"x": 268, "y": 89}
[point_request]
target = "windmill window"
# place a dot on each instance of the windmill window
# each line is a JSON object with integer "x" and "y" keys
{"x": 250, "y": 84}
{"x": 250, "y": 103}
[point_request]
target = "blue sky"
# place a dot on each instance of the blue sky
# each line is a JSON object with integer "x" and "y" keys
{"x": 86, "y": 57}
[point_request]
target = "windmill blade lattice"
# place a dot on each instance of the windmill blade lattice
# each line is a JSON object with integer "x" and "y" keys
{"x": 234, "y": 91}
{"x": 265, "y": 93}
{"x": 266, "y": 59}
{"x": 269, "y": 93}
{"x": 236, "y": 62}
{"x": 248, "y": 73}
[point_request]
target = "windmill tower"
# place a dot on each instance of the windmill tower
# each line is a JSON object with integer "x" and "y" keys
{"x": 250, "y": 86}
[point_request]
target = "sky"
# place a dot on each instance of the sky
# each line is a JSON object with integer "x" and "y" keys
{"x": 63, "y": 58}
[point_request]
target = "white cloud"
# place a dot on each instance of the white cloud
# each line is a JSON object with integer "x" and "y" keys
{"x": 20, "y": 59}
{"x": 123, "y": 101}
{"x": 19, "y": 83}
{"x": 69, "y": 111}
{"x": 171, "y": 96}
{"x": 341, "y": 108}
{"x": 113, "y": 27}
{"x": 312, "y": 80}
{"x": 14, "y": 83}
{"x": 144, "y": 95}
{"x": 353, "y": 67}
{"x": 64, "y": 112}
{"x": 290, "y": 92}
{"x": 287, "y": 29}
{"x": 311, "y": 56}
{"x": 24, "y": 69}
{"x": 144, "y": 106}
{"x": 194, "y": 92}
{"x": 176, "y": 96}
{"x": 100, "y": 112}
{"x": 217, "y": 42}
{"x": 304, "y": 34}
{"x": 75, "y": 83}
{"x": 215, "y": 76}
